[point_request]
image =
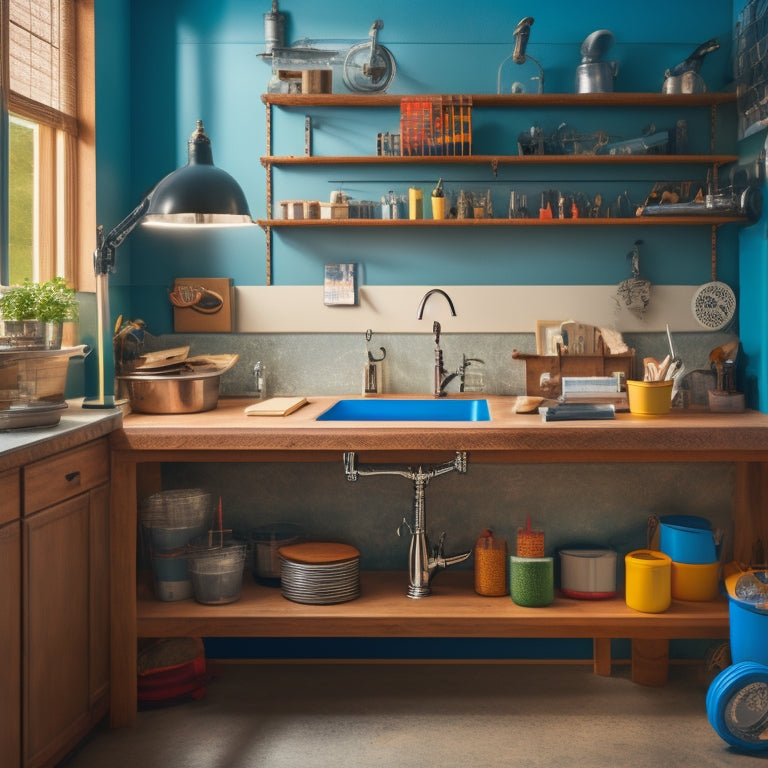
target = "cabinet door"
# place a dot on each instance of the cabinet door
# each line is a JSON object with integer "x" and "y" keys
{"x": 56, "y": 629}
{"x": 10, "y": 642}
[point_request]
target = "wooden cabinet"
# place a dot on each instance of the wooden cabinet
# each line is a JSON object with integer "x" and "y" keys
{"x": 10, "y": 611}
{"x": 65, "y": 600}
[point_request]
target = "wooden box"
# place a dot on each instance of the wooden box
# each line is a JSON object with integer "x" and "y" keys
{"x": 544, "y": 373}
{"x": 334, "y": 210}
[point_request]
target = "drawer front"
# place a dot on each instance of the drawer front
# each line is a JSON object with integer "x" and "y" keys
{"x": 10, "y": 496}
{"x": 67, "y": 474}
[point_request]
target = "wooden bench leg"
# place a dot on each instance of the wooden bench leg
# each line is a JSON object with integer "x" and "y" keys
{"x": 602, "y": 656}
{"x": 650, "y": 662}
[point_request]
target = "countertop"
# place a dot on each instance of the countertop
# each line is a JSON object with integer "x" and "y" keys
{"x": 77, "y": 425}
{"x": 700, "y": 435}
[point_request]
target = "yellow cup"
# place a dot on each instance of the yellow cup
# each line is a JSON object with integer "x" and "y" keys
{"x": 438, "y": 207}
{"x": 649, "y": 398}
{"x": 648, "y": 580}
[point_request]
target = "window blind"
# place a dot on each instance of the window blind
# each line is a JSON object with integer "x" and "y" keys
{"x": 42, "y": 71}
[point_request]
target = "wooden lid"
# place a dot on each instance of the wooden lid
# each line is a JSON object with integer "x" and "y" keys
{"x": 315, "y": 552}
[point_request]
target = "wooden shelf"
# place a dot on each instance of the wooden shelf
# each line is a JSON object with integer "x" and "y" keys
{"x": 638, "y": 221}
{"x": 501, "y": 160}
{"x": 511, "y": 100}
{"x": 452, "y": 610}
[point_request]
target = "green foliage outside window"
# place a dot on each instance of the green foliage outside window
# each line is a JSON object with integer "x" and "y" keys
{"x": 21, "y": 214}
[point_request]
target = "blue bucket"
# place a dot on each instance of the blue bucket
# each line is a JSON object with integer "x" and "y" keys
{"x": 687, "y": 539}
{"x": 749, "y": 632}
{"x": 736, "y": 706}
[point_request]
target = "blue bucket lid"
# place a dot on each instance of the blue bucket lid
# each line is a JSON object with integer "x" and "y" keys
{"x": 737, "y": 706}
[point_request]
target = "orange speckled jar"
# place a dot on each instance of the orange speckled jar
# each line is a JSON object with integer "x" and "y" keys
{"x": 491, "y": 565}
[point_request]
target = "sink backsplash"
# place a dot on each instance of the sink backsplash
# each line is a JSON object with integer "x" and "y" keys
{"x": 332, "y": 364}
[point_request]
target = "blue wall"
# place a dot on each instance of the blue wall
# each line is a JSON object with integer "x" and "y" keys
{"x": 753, "y": 300}
{"x": 161, "y": 66}
{"x": 196, "y": 59}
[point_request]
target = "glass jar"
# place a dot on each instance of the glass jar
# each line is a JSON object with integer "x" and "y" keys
{"x": 491, "y": 565}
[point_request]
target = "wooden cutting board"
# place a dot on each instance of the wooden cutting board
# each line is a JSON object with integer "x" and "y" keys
{"x": 319, "y": 552}
{"x": 276, "y": 406}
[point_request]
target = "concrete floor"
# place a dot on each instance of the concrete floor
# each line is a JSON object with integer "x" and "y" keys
{"x": 400, "y": 715}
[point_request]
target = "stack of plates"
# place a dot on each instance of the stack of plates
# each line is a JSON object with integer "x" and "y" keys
{"x": 319, "y": 573}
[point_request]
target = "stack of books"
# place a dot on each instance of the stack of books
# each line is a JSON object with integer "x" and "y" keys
{"x": 436, "y": 125}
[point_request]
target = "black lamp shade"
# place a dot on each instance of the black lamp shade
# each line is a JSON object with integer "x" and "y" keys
{"x": 198, "y": 193}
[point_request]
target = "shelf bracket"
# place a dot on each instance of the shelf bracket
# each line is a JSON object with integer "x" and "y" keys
{"x": 268, "y": 170}
{"x": 495, "y": 167}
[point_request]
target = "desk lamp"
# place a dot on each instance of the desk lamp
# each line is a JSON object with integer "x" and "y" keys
{"x": 198, "y": 194}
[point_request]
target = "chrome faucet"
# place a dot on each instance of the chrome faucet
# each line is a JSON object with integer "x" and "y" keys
{"x": 422, "y": 564}
{"x": 441, "y": 377}
{"x": 425, "y": 298}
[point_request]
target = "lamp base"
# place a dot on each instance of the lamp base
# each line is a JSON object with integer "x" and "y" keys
{"x": 104, "y": 402}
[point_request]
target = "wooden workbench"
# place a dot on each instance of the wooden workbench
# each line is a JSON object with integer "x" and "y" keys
{"x": 226, "y": 434}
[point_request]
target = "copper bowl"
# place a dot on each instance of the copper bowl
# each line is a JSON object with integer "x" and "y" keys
{"x": 172, "y": 394}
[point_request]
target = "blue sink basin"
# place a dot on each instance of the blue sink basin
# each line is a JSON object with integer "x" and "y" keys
{"x": 407, "y": 410}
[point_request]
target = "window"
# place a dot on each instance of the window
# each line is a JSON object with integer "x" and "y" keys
{"x": 47, "y": 76}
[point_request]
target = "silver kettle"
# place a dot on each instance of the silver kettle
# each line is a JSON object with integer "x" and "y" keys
{"x": 594, "y": 75}
{"x": 684, "y": 77}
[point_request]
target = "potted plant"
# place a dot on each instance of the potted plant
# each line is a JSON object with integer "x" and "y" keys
{"x": 32, "y": 314}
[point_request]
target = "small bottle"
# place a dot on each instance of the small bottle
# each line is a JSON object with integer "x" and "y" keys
{"x": 491, "y": 565}
{"x": 438, "y": 201}
{"x": 260, "y": 378}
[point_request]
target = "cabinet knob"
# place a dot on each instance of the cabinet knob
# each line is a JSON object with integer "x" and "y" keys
{"x": 70, "y": 476}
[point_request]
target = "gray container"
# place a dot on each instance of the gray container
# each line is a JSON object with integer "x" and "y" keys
{"x": 170, "y": 539}
{"x": 267, "y": 540}
{"x": 171, "y": 573}
{"x": 217, "y": 573}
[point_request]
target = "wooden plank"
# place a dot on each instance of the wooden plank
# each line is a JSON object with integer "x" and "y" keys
{"x": 678, "y": 436}
{"x": 557, "y": 160}
{"x": 637, "y": 221}
{"x": 452, "y": 610}
{"x": 510, "y": 100}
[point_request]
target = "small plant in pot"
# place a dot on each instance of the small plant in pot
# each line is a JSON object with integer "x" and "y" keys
{"x": 32, "y": 315}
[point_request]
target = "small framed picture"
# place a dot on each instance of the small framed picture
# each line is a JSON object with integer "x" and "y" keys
{"x": 340, "y": 285}
{"x": 548, "y": 336}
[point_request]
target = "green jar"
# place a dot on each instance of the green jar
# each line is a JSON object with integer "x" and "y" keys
{"x": 531, "y": 581}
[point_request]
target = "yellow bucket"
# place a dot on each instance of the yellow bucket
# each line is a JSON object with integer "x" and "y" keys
{"x": 649, "y": 398}
{"x": 694, "y": 581}
{"x": 649, "y": 580}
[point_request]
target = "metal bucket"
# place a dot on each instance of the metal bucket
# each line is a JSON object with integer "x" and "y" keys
{"x": 30, "y": 334}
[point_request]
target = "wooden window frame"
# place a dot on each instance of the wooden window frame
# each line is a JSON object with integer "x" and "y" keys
{"x": 67, "y": 148}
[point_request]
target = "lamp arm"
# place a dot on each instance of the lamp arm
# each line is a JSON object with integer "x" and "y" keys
{"x": 104, "y": 255}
